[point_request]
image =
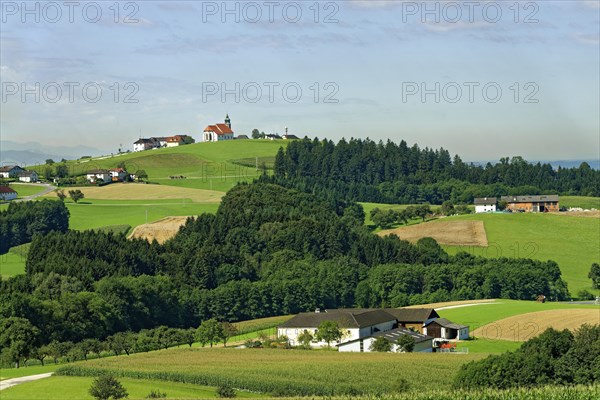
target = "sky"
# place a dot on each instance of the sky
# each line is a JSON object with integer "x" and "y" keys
{"x": 484, "y": 79}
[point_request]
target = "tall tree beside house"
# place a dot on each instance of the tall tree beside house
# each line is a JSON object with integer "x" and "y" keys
{"x": 406, "y": 343}
{"x": 255, "y": 134}
{"x": 62, "y": 171}
{"x": 305, "y": 338}
{"x": 76, "y": 195}
{"x": 328, "y": 332}
{"x": 141, "y": 175}
{"x": 594, "y": 275}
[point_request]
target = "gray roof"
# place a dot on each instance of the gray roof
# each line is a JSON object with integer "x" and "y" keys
{"x": 345, "y": 318}
{"x": 393, "y": 336}
{"x": 361, "y": 317}
{"x": 26, "y": 173}
{"x": 530, "y": 199}
{"x": 479, "y": 201}
{"x": 242, "y": 137}
{"x": 8, "y": 168}
{"x": 446, "y": 323}
{"x": 98, "y": 171}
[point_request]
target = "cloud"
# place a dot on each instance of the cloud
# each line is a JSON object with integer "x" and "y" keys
{"x": 586, "y": 38}
{"x": 595, "y": 4}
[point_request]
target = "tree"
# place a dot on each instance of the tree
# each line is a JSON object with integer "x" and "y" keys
{"x": 255, "y": 134}
{"x": 423, "y": 211}
{"x": 48, "y": 172}
{"x": 49, "y": 161}
{"x": 594, "y": 275}
{"x": 188, "y": 336}
{"x": 229, "y": 330}
{"x": 60, "y": 193}
{"x": 40, "y": 353}
{"x": 121, "y": 342}
{"x": 166, "y": 337}
{"x": 381, "y": 344}
{"x": 305, "y": 338}
{"x": 210, "y": 331}
{"x": 140, "y": 175}
{"x": 88, "y": 346}
{"x": 62, "y": 171}
{"x": 406, "y": 343}
{"x": 76, "y": 195}
{"x": 280, "y": 163}
{"x": 18, "y": 338}
{"x": 328, "y": 332}
{"x": 107, "y": 387}
{"x": 447, "y": 208}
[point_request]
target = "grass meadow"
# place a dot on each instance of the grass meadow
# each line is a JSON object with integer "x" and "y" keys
{"x": 580, "y": 202}
{"x": 26, "y": 189}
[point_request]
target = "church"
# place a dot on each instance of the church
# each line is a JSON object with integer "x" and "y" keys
{"x": 218, "y": 132}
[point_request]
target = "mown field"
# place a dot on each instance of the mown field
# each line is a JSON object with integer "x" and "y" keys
{"x": 286, "y": 372}
{"x": 580, "y": 201}
{"x": 214, "y": 166}
{"x": 25, "y": 189}
{"x": 76, "y": 388}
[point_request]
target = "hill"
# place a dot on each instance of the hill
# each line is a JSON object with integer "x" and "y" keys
{"x": 215, "y": 166}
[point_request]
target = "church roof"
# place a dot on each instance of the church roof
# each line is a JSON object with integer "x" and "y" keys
{"x": 219, "y": 129}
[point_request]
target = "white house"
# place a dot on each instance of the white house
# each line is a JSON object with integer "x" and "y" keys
{"x": 117, "y": 174}
{"x": 10, "y": 171}
{"x": 145, "y": 144}
{"x": 174, "y": 141}
{"x": 97, "y": 175}
{"x": 423, "y": 343}
{"x": 7, "y": 194}
{"x": 28, "y": 176}
{"x": 218, "y": 132}
{"x": 485, "y": 204}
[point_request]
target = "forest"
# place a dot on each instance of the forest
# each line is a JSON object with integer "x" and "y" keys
{"x": 362, "y": 170}
{"x": 267, "y": 251}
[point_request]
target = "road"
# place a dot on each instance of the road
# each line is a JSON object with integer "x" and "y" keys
{"x": 47, "y": 189}
{"x": 7, "y": 383}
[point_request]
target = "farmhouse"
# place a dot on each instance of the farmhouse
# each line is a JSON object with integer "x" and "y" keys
{"x": 443, "y": 329}
{"x": 7, "y": 193}
{"x": 117, "y": 174}
{"x": 218, "y": 132}
{"x": 10, "y": 171}
{"x": 145, "y": 144}
{"x": 485, "y": 204}
{"x": 174, "y": 141}
{"x": 360, "y": 324}
{"x": 423, "y": 343}
{"x": 28, "y": 176}
{"x": 543, "y": 203}
{"x": 99, "y": 175}
{"x": 290, "y": 137}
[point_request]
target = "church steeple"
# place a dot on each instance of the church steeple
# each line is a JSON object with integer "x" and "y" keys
{"x": 228, "y": 121}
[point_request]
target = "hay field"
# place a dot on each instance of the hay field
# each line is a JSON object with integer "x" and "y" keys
{"x": 452, "y": 233}
{"x": 520, "y": 328}
{"x": 161, "y": 230}
{"x": 135, "y": 191}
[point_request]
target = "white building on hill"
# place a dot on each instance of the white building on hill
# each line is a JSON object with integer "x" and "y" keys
{"x": 485, "y": 204}
{"x": 218, "y": 132}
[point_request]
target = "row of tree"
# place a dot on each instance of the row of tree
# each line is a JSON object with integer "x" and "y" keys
{"x": 363, "y": 170}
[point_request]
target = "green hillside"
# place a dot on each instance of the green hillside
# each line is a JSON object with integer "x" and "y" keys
{"x": 570, "y": 241}
{"x": 215, "y": 166}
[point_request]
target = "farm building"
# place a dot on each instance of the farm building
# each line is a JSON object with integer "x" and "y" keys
{"x": 10, "y": 171}
{"x": 7, "y": 193}
{"x": 97, "y": 175}
{"x": 423, "y": 343}
{"x": 441, "y": 328}
{"x": 218, "y": 132}
{"x": 117, "y": 174}
{"x": 485, "y": 204}
{"x": 242, "y": 137}
{"x": 359, "y": 323}
{"x": 28, "y": 176}
{"x": 145, "y": 144}
{"x": 542, "y": 203}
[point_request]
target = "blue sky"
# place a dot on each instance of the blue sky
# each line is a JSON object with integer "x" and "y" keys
{"x": 369, "y": 57}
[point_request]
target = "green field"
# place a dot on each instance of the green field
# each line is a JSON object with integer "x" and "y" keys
{"x": 214, "y": 166}
{"x": 573, "y": 242}
{"x": 286, "y": 372}
{"x": 580, "y": 201}
{"x": 8, "y": 373}
{"x": 480, "y": 315}
{"x": 25, "y": 189}
{"x": 13, "y": 262}
{"x": 76, "y": 388}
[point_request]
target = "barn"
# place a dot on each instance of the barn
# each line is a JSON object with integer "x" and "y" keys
{"x": 423, "y": 343}
{"x": 544, "y": 203}
{"x": 443, "y": 329}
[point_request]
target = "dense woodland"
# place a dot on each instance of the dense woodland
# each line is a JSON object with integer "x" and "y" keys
{"x": 267, "y": 251}
{"x": 362, "y": 170}
{"x": 21, "y": 221}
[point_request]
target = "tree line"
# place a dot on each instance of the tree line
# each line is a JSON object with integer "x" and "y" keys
{"x": 362, "y": 170}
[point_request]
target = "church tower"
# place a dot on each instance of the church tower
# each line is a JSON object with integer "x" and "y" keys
{"x": 228, "y": 121}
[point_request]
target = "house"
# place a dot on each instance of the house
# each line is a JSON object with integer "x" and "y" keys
{"x": 485, "y": 204}
{"x": 358, "y": 323}
{"x": 290, "y": 137}
{"x": 117, "y": 174}
{"x": 99, "y": 175}
{"x": 174, "y": 141}
{"x": 542, "y": 203}
{"x": 242, "y": 137}
{"x": 218, "y": 132}
{"x": 423, "y": 343}
{"x": 444, "y": 330}
{"x": 272, "y": 137}
{"x": 7, "y": 194}
{"x": 145, "y": 144}
{"x": 28, "y": 176}
{"x": 10, "y": 171}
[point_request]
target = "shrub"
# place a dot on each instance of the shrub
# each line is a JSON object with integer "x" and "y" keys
{"x": 156, "y": 394}
{"x": 225, "y": 391}
{"x": 107, "y": 386}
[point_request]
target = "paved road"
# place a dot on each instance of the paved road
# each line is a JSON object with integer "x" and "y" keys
{"x": 47, "y": 189}
{"x": 7, "y": 383}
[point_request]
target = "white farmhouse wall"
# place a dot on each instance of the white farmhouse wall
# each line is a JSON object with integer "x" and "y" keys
{"x": 485, "y": 208}
{"x": 293, "y": 333}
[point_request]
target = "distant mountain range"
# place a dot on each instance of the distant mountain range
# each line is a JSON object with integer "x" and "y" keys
{"x": 31, "y": 153}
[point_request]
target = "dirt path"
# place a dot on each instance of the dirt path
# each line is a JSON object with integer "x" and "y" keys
{"x": 7, "y": 383}
{"x": 161, "y": 230}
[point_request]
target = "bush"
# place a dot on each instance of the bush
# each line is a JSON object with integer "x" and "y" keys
{"x": 106, "y": 387}
{"x": 585, "y": 295}
{"x": 156, "y": 394}
{"x": 225, "y": 391}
